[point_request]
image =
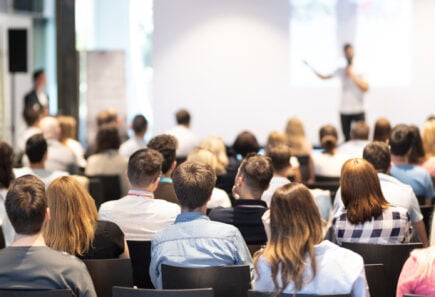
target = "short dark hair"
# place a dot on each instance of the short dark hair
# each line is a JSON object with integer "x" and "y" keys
{"x": 31, "y": 116}
{"x": 417, "y": 153}
{"x": 144, "y": 166}
{"x": 193, "y": 183}
{"x": 37, "y": 73}
{"x": 401, "y": 140}
{"x": 139, "y": 124}
{"x": 378, "y": 154}
{"x": 6, "y": 164}
{"x": 347, "y": 46}
{"x": 167, "y": 145}
{"x": 382, "y": 130}
{"x": 257, "y": 171}
{"x": 280, "y": 156}
{"x": 246, "y": 143}
{"x": 360, "y": 131}
{"x": 183, "y": 117}
{"x": 108, "y": 116}
{"x": 36, "y": 147}
{"x": 26, "y": 204}
{"x": 108, "y": 138}
{"x": 328, "y": 137}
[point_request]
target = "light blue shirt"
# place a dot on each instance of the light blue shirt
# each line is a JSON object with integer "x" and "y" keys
{"x": 415, "y": 176}
{"x": 195, "y": 241}
{"x": 339, "y": 271}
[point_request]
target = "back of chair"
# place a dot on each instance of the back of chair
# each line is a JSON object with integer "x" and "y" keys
{"x": 140, "y": 256}
{"x": 226, "y": 281}
{"x": 375, "y": 275}
{"x": 106, "y": 273}
{"x": 427, "y": 212}
{"x": 130, "y": 292}
{"x": 104, "y": 188}
{"x": 35, "y": 293}
{"x": 2, "y": 238}
{"x": 269, "y": 294}
{"x": 393, "y": 256}
{"x": 331, "y": 186}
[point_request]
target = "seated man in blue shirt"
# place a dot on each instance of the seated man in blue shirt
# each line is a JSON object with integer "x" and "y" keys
{"x": 401, "y": 145}
{"x": 194, "y": 240}
{"x": 252, "y": 179}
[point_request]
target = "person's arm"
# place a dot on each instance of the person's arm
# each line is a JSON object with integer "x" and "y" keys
{"x": 126, "y": 253}
{"x": 360, "y": 83}
{"x": 360, "y": 287}
{"x": 319, "y": 75}
{"x": 420, "y": 229}
{"x": 154, "y": 270}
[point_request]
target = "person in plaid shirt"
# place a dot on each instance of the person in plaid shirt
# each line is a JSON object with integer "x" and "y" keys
{"x": 367, "y": 217}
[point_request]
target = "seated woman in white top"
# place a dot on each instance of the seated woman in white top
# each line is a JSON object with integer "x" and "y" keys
{"x": 366, "y": 216}
{"x": 297, "y": 259}
{"x": 218, "y": 197}
{"x": 328, "y": 163}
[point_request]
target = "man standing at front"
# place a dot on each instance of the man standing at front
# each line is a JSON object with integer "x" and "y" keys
{"x": 194, "y": 240}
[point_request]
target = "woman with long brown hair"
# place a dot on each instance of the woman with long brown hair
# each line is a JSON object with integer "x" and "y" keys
{"x": 74, "y": 226}
{"x": 367, "y": 217}
{"x": 297, "y": 259}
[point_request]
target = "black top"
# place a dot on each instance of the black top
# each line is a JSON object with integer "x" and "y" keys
{"x": 108, "y": 242}
{"x": 245, "y": 215}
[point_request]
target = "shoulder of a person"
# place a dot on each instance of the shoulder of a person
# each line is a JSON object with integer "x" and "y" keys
{"x": 333, "y": 249}
{"x": 167, "y": 205}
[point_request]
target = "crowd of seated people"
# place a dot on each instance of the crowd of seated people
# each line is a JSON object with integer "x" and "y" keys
{"x": 201, "y": 203}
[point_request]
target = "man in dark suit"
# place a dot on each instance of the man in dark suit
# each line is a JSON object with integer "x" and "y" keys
{"x": 37, "y": 99}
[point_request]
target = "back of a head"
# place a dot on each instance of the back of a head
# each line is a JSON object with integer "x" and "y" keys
{"x": 73, "y": 216}
{"x": 68, "y": 125}
{"x": 378, "y": 154}
{"x": 36, "y": 148}
{"x": 26, "y": 204}
{"x": 382, "y": 130}
{"x": 257, "y": 171}
{"x": 31, "y": 116}
{"x": 139, "y": 124}
{"x": 108, "y": 116}
{"x": 361, "y": 191}
{"x": 107, "y": 138}
{"x": 276, "y": 138}
{"x": 246, "y": 143}
{"x": 193, "y": 183}
{"x": 182, "y": 117}
{"x": 328, "y": 137}
{"x": 167, "y": 145}
{"x": 37, "y": 74}
{"x": 6, "y": 165}
{"x": 216, "y": 145}
{"x": 50, "y": 128}
{"x": 401, "y": 140}
{"x": 360, "y": 131}
{"x": 293, "y": 215}
{"x": 295, "y": 128}
{"x": 203, "y": 156}
{"x": 428, "y": 137}
{"x": 280, "y": 156}
{"x": 417, "y": 153}
{"x": 144, "y": 167}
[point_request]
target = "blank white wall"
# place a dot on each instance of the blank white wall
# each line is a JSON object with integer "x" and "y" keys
{"x": 228, "y": 62}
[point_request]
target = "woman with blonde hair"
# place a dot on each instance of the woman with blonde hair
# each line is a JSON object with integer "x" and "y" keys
{"x": 297, "y": 259}
{"x": 367, "y": 217}
{"x": 68, "y": 127}
{"x": 218, "y": 197}
{"x": 428, "y": 137}
{"x": 216, "y": 145}
{"x": 74, "y": 226}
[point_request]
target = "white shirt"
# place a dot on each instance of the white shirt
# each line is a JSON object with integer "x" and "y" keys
{"x": 352, "y": 148}
{"x": 275, "y": 183}
{"x": 29, "y": 132}
{"x": 187, "y": 141}
{"x": 219, "y": 198}
{"x": 8, "y": 230}
{"x": 78, "y": 151}
{"x": 139, "y": 215}
{"x": 328, "y": 165}
{"x": 47, "y": 176}
{"x": 396, "y": 193}
{"x": 130, "y": 146}
{"x": 352, "y": 98}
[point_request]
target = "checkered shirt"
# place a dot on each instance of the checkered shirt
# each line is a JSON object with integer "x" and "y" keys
{"x": 393, "y": 226}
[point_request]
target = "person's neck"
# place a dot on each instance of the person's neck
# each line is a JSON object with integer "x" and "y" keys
{"x": 142, "y": 189}
{"x": 281, "y": 173}
{"x": 40, "y": 165}
{"x": 246, "y": 194}
{"x": 202, "y": 209}
{"x": 28, "y": 240}
{"x": 400, "y": 160}
{"x": 139, "y": 136}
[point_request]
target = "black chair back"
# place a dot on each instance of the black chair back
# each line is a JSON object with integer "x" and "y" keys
{"x": 331, "y": 186}
{"x": 330, "y": 179}
{"x": 393, "y": 256}
{"x": 304, "y": 167}
{"x": 375, "y": 275}
{"x": 104, "y": 188}
{"x": 35, "y": 293}
{"x": 2, "y": 239}
{"x": 268, "y": 294}
{"x": 106, "y": 273}
{"x": 130, "y": 292}
{"x": 226, "y": 281}
{"x": 427, "y": 212}
{"x": 140, "y": 256}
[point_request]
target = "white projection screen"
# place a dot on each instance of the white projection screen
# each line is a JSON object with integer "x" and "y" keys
{"x": 237, "y": 65}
